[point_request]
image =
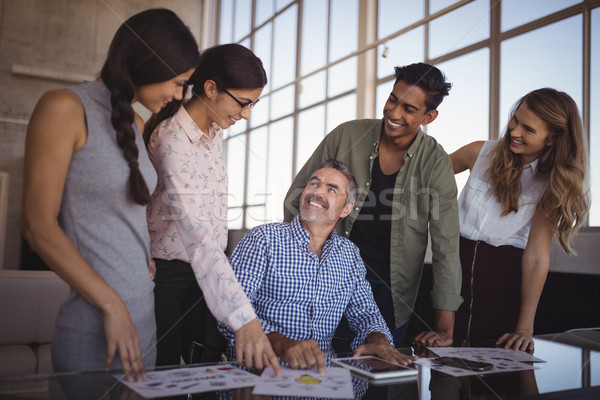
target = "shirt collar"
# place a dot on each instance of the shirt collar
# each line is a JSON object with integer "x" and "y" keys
{"x": 302, "y": 236}
{"x": 416, "y": 143}
{"x": 413, "y": 147}
{"x": 532, "y": 166}
{"x": 192, "y": 131}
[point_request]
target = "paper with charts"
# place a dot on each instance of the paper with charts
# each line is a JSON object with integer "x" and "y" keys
{"x": 191, "y": 380}
{"x": 335, "y": 383}
{"x": 504, "y": 360}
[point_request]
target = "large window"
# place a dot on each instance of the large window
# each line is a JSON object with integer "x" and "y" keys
{"x": 327, "y": 62}
{"x": 519, "y": 12}
{"x": 309, "y": 51}
{"x": 463, "y": 116}
{"x": 527, "y": 64}
{"x": 449, "y": 32}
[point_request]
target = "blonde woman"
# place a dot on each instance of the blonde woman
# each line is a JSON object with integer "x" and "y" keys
{"x": 522, "y": 190}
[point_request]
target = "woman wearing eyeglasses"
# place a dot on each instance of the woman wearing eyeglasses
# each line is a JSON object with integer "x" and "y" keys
{"x": 187, "y": 215}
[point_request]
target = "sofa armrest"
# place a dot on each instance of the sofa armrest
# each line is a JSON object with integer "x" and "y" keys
{"x": 29, "y": 303}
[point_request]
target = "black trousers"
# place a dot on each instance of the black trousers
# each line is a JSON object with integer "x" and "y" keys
{"x": 182, "y": 315}
{"x": 382, "y": 294}
{"x": 491, "y": 289}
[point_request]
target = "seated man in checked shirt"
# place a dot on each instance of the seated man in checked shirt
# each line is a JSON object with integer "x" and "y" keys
{"x": 301, "y": 277}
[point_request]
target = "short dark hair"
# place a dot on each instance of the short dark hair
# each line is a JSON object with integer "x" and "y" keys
{"x": 428, "y": 78}
{"x": 352, "y": 189}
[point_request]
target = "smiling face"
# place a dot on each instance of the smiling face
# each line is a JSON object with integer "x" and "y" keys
{"x": 227, "y": 111}
{"x": 405, "y": 111}
{"x": 155, "y": 96}
{"x": 324, "y": 197}
{"x": 529, "y": 134}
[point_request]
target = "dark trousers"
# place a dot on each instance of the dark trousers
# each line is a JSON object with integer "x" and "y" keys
{"x": 382, "y": 293}
{"x": 491, "y": 289}
{"x": 182, "y": 315}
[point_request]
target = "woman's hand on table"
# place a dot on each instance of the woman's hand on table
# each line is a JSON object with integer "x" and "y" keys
{"x": 518, "y": 340}
{"x": 253, "y": 349}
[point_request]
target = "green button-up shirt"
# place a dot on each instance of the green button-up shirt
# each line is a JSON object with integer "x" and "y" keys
{"x": 424, "y": 202}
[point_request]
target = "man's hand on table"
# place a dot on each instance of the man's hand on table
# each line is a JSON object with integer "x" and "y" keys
{"x": 299, "y": 354}
{"x": 444, "y": 329}
{"x": 433, "y": 339}
{"x": 376, "y": 344}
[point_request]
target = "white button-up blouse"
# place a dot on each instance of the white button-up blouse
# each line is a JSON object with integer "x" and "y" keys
{"x": 480, "y": 213}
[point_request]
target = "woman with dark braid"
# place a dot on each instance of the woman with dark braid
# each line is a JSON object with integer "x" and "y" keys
{"x": 87, "y": 182}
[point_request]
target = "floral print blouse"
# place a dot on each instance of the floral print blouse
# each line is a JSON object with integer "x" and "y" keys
{"x": 187, "y": 215}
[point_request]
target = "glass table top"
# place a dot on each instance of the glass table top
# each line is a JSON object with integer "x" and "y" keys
{"x": 572, "y": 369}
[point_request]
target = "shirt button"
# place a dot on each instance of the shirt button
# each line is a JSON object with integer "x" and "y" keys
{"x": 357, "y": 208}
{"x": 371, "y": 157}
{"x": 346, "y": 233}
{"x": 368, "y": 183}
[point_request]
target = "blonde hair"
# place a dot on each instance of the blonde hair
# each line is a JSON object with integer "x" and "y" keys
{"x": 564, "y": 161}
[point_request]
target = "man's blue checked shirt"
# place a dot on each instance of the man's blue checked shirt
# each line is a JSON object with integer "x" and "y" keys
{"x": 298, "y": 295}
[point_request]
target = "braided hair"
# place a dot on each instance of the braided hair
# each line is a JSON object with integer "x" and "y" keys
{"x": 150, "y": 47}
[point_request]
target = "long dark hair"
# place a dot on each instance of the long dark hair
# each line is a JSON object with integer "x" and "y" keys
{"x": 150, "y": 47}
{"x": 231, "y": 66}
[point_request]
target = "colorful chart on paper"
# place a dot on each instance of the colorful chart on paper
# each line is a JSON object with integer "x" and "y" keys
{"x": 504, "y": 360}
{"x": 191, "y": 380}
{"x": 335, "y": 383}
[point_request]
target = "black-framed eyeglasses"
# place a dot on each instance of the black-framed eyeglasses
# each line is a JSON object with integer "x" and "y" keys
{"x": 245, "y": 106}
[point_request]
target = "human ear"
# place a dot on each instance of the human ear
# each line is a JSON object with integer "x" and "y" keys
{"x": 210, "y": 88}
{"x": 429, "y": 117}
{"x": 346, "y": 210}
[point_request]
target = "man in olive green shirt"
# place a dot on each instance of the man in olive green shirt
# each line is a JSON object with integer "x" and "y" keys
{"x": 407, "y": 190}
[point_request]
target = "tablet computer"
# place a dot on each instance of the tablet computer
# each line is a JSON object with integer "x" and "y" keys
{"x": 375, "y": 367}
